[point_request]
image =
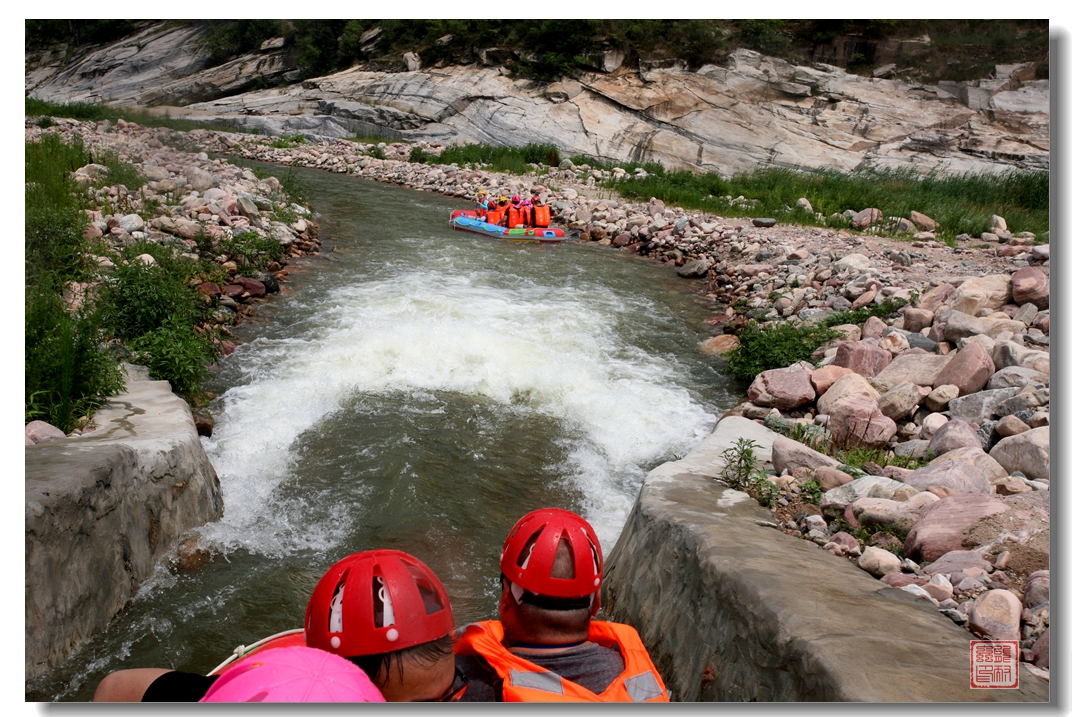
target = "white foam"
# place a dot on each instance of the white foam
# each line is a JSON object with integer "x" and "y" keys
{"x": 555, "y": 351}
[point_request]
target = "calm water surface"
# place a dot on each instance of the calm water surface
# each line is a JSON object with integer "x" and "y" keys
{"x": 420, "y": 389}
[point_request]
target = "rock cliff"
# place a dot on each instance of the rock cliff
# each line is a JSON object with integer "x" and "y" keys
{"x": 756, "y": 111}
{"x": 102, "y": 509}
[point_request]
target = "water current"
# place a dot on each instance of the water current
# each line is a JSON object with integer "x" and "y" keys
{"x": 420, "y": 389}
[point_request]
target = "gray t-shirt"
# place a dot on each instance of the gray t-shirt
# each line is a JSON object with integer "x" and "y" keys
{"x": 589, "y": 665}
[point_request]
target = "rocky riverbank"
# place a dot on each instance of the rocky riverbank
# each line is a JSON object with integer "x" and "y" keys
{"x": 190, "y": 203}
{"x": 957, "y": 379}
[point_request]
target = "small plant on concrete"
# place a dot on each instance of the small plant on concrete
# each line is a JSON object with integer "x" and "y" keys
{"x": 740, "y": 469}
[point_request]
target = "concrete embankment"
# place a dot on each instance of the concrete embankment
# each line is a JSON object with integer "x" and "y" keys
{"x": 103, "y": 509}
{"x": 731, "y": 609}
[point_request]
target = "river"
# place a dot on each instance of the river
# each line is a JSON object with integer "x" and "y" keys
{"x": 419, "y": 389}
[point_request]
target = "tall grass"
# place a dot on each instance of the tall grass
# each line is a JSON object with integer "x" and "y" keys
{"x": 515, "y": 160}
{"x": 91, "y": 112}
{"x": 959, "y": 203}
{"x": 54, "y": 217}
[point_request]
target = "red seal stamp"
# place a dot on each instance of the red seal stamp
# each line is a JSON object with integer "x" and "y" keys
{"x": 995, "y": 664}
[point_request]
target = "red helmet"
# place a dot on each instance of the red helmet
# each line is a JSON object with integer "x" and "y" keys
{"x": 374, "y": 602}
{"x": 546, "y": 528}
{"x": 515, "y": 199}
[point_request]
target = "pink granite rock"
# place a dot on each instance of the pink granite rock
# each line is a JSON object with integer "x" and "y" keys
{"x": 996, "y": 613}
{"x": 978, "y": 458}
{"x": 968, "y": 370}
{"x": 896, "y": 580}
{"x": 783, "y": 388}
{"x": 1027, "y": 452}
{"x": 940, "y": 527}
{"x": 37, "y": 431}
{"x": 957, "y": 476}
{"x": 1031, "y": 284}
{"x": 787, "y": 454}
{"x": 850, "y": 384}
{"x": 900, "y": 400}
{"x": 823, "y": 378}
{"x": 830, "y": 477}
{"x": 862, "y": 358}
{"x": 954, "y": 434}
{"x": 857, "y": 421}
{"x": 872, "y": 328}
{"x": 915, "y": 320}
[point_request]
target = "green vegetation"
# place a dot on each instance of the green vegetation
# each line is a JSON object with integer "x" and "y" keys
{"x": 69, "y": 370}
{"x": 811, "y": 491}
{"x": 851, "y": 458}
{"x": 516, "y": 160}
{"x": 294, "y": 140}
{"x": 88, "y": 112}
{"x": 740, "y": 467}
{"x": 959, "y": 203}
{"x": 865, "y": 535}
{"x": 765, "y": 346}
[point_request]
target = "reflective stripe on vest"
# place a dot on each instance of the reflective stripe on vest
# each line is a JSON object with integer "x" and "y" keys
{"x": 525, "y": 681}
{"x": 543, "y": 681}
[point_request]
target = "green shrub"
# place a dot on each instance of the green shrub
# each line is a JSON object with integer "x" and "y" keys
{"x": 120, "y": 172}
{"x": 294, "y": 140}
{"x": 69, "y": 371}
{"x": 142, "y": 297}
{"x": 176, "y": 353}
{"x": 251, "y": 250}
{"x": 764, "y": 347}
{"x": 419, "y": 155}
{"x": 811, "y": 491}
{"x": 54, "y": 218}
{"x": 296, "y": 188}
{"x": 376, "y": 152}
{"x": 740, "y": 467}
{"x": 515, "y": 160}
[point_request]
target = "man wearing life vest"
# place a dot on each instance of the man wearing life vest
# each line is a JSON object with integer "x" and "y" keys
{"x": 515, "y": 215}
{"x": 546, "y": 647}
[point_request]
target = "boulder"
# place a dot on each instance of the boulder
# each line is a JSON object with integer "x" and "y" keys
{"x": 1022, "y": 531}
{"x": 1031, "y": 285}
{"x": 835, "y": 501}
{"x": 896, "y": 580}
{"x": 900, "y": 515}
{"x": 959, "y": 325}
{"x": 787, "y": 454}
{"x": 720, "y": 345}
{"x": 1027, "y": 452}
{"x": 208, "y": 288}
{"x": 255, "y": 288}
{"x": 938, "y": 398}
{"x": 823, "y": 378}
{"x": 850, "y": 384}
{"x": 996, "y": 613}
{"x": 783, "y": 388}
{"x": 900, "y": 400}
{"x": 957, "y": 476}
{"x": 1036, "y": 588}
{"x": 1041, "y": 650}
{"x": 936, "y": 297}
{"x": 37, "y": 431}
{"x": 981, "y": 406}
{"x": 968, "y": 370}
{"x": 879, "y": 562}
{"x": 862, "y": 358}
{"x": 1017, "y": 377}
{"x": 867, "y": 217}
{"x": 199, "y": 179}
{"x": 954, "y": 434}
{"x": 1010, "y": 353}
{"x": 920, "y": 369}
{"x": 852, "y": 263}
{"x": 1011, "y": 426}
{"x": 930, "y": 426}
{"x": 829, "y": 477}
{"x": 132, "y": 223}
{"x": 915, "y": 320}
{"x": 978, "y": 458}
{"x": 959, "y": 561}
{"x": 922, "y": 221}
{"x": 857, "y": 421}
{"x": 940, "y": 526}
{"x": 873, "y": 327}
{"x": 247, "y": 207}
{"x": 996, "y": 289}
{"x": 694, "y": 269}
{"x": 894, "y": 342}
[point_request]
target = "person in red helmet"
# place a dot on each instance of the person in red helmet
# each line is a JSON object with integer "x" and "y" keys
{"x": 546, "y": 647}
{"x": 383, "y": 610}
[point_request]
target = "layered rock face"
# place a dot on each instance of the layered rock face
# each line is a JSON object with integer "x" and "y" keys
{"x": 102, "y": 509}
{"x": 755, "y": 111}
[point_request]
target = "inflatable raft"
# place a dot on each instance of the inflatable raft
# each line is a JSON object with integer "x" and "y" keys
{"x": 464, "y": 220}
{"x": 289, "y": 638}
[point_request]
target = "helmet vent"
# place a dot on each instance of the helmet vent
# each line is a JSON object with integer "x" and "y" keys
{"x": 526, "y": 552}
{"x": 564, "y": 568}
{"x": 382, "y": 605}
{"x": 433, "y": 603}
{"x": 335, "y": 617}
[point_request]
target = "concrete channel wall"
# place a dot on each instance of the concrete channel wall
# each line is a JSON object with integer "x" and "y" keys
{"x": 732, "y": 609}
{"x": 102, "y": 510}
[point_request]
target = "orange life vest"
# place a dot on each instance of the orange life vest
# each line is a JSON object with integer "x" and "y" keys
{"x": 524, "y": 681}
{"x": 543, "y": 216}
{"x": 495, "y": 217}
{"x": 515, "y": 218}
